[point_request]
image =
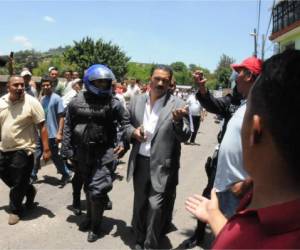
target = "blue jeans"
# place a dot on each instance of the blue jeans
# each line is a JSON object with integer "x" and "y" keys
{"x": 56, "y": 158}
{"x": 228, "y": 203}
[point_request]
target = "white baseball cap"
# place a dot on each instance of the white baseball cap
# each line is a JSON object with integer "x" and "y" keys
{"x": 26, "y": 73}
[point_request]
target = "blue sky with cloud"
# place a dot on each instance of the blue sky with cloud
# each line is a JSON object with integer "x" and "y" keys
{"x": 148, "y": 31}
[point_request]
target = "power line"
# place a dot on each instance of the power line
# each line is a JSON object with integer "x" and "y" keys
{"x": 270, "y": 18}
{"x": 258, "y": 18}
{"x": 266, "y": 34}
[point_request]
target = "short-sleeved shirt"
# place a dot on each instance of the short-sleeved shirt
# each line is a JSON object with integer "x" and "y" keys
{"x": 53, "y": 107}
{"x": 194, "y": 105}
{"x": 17, "y": 123}
{"x": 230, "y": 167}
{"x": 273, "y": 227}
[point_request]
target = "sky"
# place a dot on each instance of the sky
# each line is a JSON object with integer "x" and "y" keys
{"x": 154, "y": 31}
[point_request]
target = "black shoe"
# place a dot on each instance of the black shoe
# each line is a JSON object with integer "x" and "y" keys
{"x": 138, "y": 246}
{"x": 65, "y": 180}
{"x": 191, "y": 242}
{"x": 85, "y": 225}
{"x": 92, "y": 236}
{"x": 77, "y": 211}
{"x": 33, "y": 179}
{"x": 76, "y": 207}
{"x": 30, "y": 199}
{"x": 108, "y": 205}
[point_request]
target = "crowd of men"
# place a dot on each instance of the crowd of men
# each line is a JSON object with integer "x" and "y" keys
{"x": 252, "y": 198}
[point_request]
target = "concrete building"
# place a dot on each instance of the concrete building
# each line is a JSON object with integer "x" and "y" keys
{"x": 286, "y": 25}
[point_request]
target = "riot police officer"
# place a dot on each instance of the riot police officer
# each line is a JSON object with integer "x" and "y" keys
{"x": 89, "y": 136}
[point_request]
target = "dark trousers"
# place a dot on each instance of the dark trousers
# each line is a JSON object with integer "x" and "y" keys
{"x": 196, "y": 124}
{"x": 148, "y": 206}
{"x": 77, "y": 184}
{"x": 56, "y": 158}
{"x": 97, "y": 183}
{"x": 15, "y": 170}
{"x": 79, "y": 178}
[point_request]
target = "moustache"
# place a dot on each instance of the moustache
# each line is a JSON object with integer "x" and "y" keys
{"x": 19, "y": 92}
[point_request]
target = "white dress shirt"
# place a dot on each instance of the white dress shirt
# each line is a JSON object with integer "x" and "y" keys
{"x": 149, "y": 122}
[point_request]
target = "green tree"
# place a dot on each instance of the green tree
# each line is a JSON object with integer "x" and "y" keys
{"x": 26, "y": 58}
{"x": 223, "y": 77}
{"x": 223, "y": 70}
{"x": 193, "y": 67}
{"x": 181, "y": 73}
{"x": 139, "y": 71}
{"x": 58, "y": 61}
{"x": 179, "y": 66}
{"x": 87, "y": 52}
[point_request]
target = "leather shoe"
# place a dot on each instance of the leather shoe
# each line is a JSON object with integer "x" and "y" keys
{"x": 33, "y": 179}
{"x": 13, "y": 219}
{"x": 77, "y": 211}
{"x": 65, "y": 180}
{"x": 92, "y": 236}
{"x": 108, "y": 205}
{"x": 85, "y": 225}
{"x": 191, "y": 242}
{"x": 138, "y": 246}
{"x": 76, "y": 205}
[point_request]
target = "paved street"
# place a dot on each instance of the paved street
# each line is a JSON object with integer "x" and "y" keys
{"x": 53, "y": 226}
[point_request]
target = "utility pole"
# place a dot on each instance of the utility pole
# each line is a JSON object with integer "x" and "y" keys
{"x": 263, "y": 38}
{"x": 254, "y": 34}
{"x": 255, "y": 43}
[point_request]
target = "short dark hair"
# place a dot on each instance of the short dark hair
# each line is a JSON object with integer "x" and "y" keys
{"x": 13, "y": 76}
{"x": 164, "y": 68}
{"x": 70, "y": 71}
{"x": 47, "y": 79}
{"x": 275, "y": 96}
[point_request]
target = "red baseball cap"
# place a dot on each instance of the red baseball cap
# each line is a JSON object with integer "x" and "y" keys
{"x": 253, "y": 64}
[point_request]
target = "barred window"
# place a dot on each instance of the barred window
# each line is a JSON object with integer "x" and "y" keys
{"x": 285, "y": 14}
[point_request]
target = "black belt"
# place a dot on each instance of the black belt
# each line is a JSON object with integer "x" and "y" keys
{"x": 144, "y": 157}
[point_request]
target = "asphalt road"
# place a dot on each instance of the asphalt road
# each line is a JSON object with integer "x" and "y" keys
{"x": 52, "y": 225}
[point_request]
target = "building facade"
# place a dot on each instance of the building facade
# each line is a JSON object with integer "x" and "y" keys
{"x": 286, "y": 24}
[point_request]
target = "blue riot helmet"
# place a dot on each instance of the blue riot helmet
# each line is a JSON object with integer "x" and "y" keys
{"x": 94, "y": 75}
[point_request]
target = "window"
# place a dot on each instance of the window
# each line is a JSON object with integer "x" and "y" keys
{"x": 285, "y": 13}
{"x": 289, "y": 46}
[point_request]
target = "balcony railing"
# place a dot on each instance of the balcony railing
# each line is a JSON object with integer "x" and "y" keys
{"x": 285, "y": 13}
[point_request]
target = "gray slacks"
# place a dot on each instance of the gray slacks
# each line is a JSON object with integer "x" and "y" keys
{"x": 148, "y": 206}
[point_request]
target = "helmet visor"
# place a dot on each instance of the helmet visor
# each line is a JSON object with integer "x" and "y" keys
{"x": 104, "y": 84}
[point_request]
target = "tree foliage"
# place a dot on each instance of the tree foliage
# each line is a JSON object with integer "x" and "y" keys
{"x": 87, "y": 52}
{"x": 223, "y": 70}
{"x": 26, "y": 58}
{"x": 139, "y": 71}
{"x": 181, "y": 73}
{"x": 57, "y": 60}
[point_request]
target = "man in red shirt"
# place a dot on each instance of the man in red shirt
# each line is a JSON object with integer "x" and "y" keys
{"x": 269, "y": 216}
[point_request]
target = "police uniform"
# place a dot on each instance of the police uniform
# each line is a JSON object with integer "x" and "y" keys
{"x": 89, "y": 139}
